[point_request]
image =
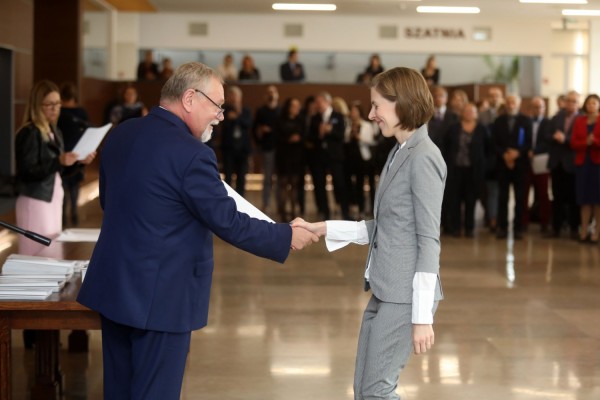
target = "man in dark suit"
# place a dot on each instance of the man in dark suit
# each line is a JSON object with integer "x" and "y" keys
{"x": 442, "y": 117}
{"x": 235, "y": 138}
{"x": 151, "y": 271}
{"x": 437, "y": 127}
{"x": 326, "y": 134}
{"x": 541, "y": 133}
{"x": 265, "y": 135}
{"x": 292, "y": 70}
{"x": 561, "y": 162}
{"x": 512, "y": 136}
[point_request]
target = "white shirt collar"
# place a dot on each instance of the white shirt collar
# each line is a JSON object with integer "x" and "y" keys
{"x": 327, "y": 114}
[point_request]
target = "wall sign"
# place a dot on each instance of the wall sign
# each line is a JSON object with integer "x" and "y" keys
{"x": 414, "y": 32}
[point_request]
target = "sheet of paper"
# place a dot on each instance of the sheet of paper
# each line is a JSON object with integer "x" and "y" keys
{"x": 539, "y": 164}
{"x": 79, "y": 235}
{"x": 245, "y": 206}
{"x": 90, "y": 141}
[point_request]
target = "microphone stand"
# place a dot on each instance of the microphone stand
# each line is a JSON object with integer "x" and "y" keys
{"x": 28, "y": 234}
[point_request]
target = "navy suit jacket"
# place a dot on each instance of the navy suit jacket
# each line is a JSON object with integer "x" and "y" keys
{"x": 331, "y": 145}
{"x": 438, "y": 129}
{"x": 544, "y": 136}
{"x": 163, "y": 199}
{"x": 518, "y": 138}
{"x": 287, "y": 74}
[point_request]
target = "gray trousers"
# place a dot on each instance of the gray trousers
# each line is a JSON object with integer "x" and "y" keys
{"x": 384, "y": 346}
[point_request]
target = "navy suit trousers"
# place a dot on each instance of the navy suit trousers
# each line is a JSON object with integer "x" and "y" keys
{"x": 141, "y": 364}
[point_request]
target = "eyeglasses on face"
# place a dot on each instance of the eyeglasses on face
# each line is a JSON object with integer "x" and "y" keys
{"x": 56, "y": 104}
{"x": 221, "y": 110}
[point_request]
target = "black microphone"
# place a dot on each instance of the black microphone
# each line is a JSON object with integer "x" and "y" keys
{"x": 28, "y": 234}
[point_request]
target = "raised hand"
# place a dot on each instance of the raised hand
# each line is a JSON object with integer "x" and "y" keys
{"x": 302, "y": 238}
{"x": 318, "y": 228}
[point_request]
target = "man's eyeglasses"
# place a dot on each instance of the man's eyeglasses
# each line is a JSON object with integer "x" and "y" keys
{"x": 221, "y": 110}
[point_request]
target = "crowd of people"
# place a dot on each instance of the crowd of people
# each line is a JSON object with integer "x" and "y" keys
{"x": 551, "y": 164}
{"x": 498, "y": 144}
{"x": 491, "y": 148}
{"x": 321, "y": 135}
{"x": 291, "y": 70}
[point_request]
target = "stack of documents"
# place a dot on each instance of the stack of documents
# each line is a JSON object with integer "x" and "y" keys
{"x": 24, "y": 294}
{"x": 35, "y": 278}
{"x": 19, "y": 264}
{"x": 31, "y": 282}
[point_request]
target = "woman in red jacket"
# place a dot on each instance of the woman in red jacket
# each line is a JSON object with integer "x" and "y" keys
{"x": 585, "y": 140}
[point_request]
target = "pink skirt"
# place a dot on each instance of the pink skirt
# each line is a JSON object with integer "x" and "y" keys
{"x": 40, "y": 217}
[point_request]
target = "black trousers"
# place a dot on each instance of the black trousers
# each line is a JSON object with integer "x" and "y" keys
{"x": 71, "y": 187}
{"x": 462, "y": 189}
{"x": 564, "y": 205}
{"x": 516, "y": 178}
{"x": 356, "y": 172}
{"x": 236, "y": 163}
{"x": 319, "y": 165}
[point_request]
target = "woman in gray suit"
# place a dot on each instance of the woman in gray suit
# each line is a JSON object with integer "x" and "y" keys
{"x": 402, "y": 269}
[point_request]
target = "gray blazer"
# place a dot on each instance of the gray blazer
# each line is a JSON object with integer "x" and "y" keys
{"x": 404, "y": 236}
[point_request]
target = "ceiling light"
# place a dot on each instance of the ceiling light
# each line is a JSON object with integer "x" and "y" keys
{"x": 303, "y": 7}
{"x": 448, "y": 10}
{"x": 555, "y": 1}
{"x": 582, "y": 13}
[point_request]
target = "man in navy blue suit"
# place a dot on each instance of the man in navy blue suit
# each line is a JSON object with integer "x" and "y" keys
{"x": 151, "y": 271}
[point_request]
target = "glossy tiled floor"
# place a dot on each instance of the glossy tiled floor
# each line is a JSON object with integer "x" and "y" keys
{"x": 519, "y": 322}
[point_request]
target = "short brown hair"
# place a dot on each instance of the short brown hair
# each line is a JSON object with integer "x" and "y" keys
{"x": 407, "y": 87}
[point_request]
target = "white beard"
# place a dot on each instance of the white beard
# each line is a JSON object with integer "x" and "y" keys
{"x": 207, "y": 134}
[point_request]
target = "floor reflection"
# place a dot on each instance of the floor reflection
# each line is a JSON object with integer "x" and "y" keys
{"x": 520, "y": 322}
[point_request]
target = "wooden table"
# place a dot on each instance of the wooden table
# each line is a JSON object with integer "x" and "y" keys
{"x": 59, "y": 311}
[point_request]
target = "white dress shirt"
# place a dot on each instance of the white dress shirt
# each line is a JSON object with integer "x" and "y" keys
{"x": 366, "y": 140}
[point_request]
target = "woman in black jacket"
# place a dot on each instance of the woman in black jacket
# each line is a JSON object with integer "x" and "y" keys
{"x": 40, "y": 159}
{"x": 464, "y": 152}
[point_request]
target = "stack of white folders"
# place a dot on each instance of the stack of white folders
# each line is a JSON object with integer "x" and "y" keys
{"x": 35, "y": 278}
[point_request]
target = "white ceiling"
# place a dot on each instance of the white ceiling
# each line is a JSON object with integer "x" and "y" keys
{"x": 389, "y": 8}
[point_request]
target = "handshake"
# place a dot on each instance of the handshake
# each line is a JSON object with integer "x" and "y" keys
{"x": 306, "y": 233}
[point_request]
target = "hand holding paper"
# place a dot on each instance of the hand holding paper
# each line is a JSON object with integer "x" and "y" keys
{"x": 90, "y": 141}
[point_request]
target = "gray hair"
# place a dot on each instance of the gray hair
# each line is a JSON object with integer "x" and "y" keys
{"x": 192, "y": 75}
{"x": 515, "y": 96}
{"x": 325, "y": 95}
